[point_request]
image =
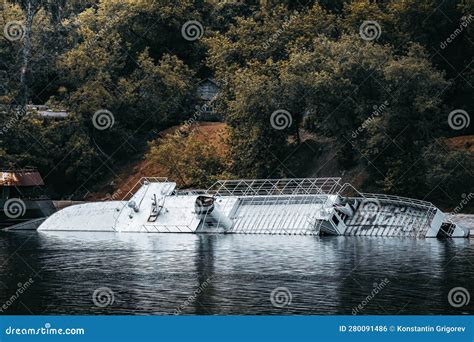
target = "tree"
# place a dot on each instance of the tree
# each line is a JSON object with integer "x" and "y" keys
{"x": 116, "y": 67}
{"x": 61, "y": 150}
{"x": 267, "y": 34}
{"x": 448, "y": 172}
{"x": 413, "y": 120}
{"x": 338, "y": 83}
{"x": 161, "y": 95}
{"x": 444, "y": 29}
{"x": 258, "y": 138}
{"x": 190, "y": 157}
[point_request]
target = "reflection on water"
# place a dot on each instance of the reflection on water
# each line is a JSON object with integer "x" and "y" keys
{"x": 231, "y": 274}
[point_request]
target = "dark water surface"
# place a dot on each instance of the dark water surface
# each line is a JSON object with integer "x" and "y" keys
{"x": 230, "y": 274}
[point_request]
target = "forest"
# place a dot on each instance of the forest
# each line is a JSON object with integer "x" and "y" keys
{"x": 385, "y": 85}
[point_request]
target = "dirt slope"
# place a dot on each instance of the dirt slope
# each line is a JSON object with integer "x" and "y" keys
{"x": 462, "y": 142}
{"x": 130, "y": 174}
{"x": 315, "y": 154}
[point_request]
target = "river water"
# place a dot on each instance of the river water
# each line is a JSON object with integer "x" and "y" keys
{"x": 143, "y": 274}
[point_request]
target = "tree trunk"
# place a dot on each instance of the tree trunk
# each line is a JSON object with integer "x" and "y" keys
{"x": 30, "y": 13}
{"x": 297, "y": 135}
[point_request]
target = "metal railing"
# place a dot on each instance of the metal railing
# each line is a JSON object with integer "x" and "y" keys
{"x": 389, "y": 216}
{"x": 269, "y": 187}
{"x": 140, "y": 182}
{"x": 398, "y": 199}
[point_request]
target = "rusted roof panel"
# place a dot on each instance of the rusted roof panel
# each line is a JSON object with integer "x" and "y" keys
{"x": 20, "y": 178}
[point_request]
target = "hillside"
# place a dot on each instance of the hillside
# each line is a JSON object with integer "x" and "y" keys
{"x": 465, "y": 142}
{"x": 315, "y": 158}
{"x": 131, "y": 173}
{"x": 338, "y": 69}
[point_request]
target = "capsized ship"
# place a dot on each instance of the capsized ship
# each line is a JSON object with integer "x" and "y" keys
{"x": 306, "y": 206}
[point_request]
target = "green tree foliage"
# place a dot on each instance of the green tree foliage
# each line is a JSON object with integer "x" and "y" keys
{"x": 189, "y": 158}
{"x": 225, "y": 13}
{"x": 119, "y": 65}
{"x": 336, "y": 82}
{"x": 449, "y": 173}
{"x": 413, "y": 119}
{"x": 383, "y": 103}
{"x": 431, "y": 24}
{"x": 158, "y": 94}
{"x": 62, "y": 151}
{"x": 267, "y": 34}
{"x": 256, "y": 146}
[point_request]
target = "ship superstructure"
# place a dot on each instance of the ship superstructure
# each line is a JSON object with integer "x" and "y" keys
{"x": 305, "y": 206}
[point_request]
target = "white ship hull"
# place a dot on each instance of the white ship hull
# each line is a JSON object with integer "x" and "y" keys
{"x": 285, "y": 206}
